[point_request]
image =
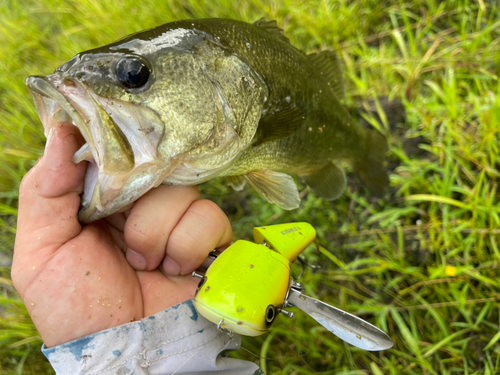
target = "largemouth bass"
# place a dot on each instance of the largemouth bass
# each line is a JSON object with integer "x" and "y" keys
{"x": 191, "y": 100}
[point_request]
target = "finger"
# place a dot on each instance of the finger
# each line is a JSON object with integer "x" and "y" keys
{"x": 203, "y": 228}
{"x": 49, "y": 197}
{"x": 151, "y": 221}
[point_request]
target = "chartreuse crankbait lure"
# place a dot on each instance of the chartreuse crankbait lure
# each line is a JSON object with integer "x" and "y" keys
{"x": 246, "y": 286}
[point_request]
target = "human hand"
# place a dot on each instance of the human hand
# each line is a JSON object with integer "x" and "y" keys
{"x": 77, "y": 280}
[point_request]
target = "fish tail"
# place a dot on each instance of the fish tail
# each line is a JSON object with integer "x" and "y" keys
{"x": 370, "y": 167}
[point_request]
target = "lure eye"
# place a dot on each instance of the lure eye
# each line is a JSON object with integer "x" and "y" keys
{"x": 270, "y": 314}
{"x": 132, "y": 72}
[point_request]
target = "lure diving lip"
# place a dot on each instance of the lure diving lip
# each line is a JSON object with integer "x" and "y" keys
{"x": 350, "y": 328}
{"x": 245, "y": 287}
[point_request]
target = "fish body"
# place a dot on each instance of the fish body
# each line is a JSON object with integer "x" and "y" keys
{"x": 191, "y": 100}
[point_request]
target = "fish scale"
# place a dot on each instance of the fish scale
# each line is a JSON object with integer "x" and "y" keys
{"x": 199, "y": 99}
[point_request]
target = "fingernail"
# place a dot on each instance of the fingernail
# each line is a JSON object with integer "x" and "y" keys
{"x": 136, "y": 260}
{"x": 170, "y": 267}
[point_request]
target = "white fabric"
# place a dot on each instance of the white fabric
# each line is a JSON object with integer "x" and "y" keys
{"x": 174, "y": 341}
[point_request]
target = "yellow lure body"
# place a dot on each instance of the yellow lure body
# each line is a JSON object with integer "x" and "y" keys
{"x": 290, "y": 240}
{"x": 245, "y": 287}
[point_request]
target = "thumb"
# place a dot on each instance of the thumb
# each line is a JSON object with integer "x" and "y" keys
{"x": 49, "y": 197}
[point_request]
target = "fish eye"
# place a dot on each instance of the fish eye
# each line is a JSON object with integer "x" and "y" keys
{"x": 132, "y": 72}
{"x": 270, "y": 314}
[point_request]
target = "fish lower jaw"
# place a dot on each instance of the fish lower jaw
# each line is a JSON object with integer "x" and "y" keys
{"x": 94, "y": 174}
{"x": 106, "y": 194}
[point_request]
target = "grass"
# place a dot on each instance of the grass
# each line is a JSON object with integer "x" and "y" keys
{"x": 422, "y": 263}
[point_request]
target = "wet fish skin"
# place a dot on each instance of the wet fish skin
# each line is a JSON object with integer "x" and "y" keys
{"x": 222, "y": 98}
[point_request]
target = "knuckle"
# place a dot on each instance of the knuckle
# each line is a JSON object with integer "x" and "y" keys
{"x": 135, "y": 234}
{"x": 208, "y": 211}
{"x": 141, "y": 239}
{"x": 183, "y": 243}
{"x": 187, "y": 249}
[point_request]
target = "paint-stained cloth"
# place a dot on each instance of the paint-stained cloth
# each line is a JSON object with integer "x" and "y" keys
{"x": 173, "y": 341}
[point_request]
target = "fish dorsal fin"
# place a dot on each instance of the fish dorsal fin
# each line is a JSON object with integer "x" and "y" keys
{"x": 278, "y": 188}
{"x": 273, "y": 28}
{"x": 279, "y": 124}
{"x": 328, "y": 182}
{"x": 236, "y": 182}
{"x": 328, "y": 66}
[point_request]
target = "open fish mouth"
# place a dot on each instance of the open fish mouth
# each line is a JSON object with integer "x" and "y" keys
{"x": 121, "y": 142}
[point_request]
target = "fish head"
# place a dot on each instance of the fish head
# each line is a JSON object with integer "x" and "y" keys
{"x": 145, "y": 105}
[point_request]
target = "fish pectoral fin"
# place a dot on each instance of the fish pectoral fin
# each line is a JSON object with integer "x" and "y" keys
{"x": 236, "y": 182}
{"x": 328, "y": 65}
{"x": 280, "y": 124}
{"x": 273, "y": 28}
{"x": 278, "y": 188}
{"x": 328, "y": 182}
